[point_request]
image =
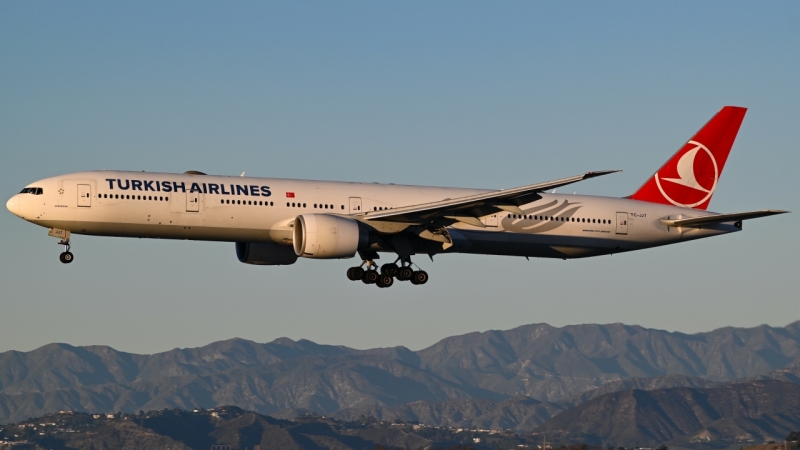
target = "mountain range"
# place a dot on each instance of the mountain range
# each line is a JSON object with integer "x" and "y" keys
{"x": 523, "y": 379}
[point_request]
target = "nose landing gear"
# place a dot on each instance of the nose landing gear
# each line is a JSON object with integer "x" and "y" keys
{"x": 388, "y": 273}
{"x": 65, "y": 257}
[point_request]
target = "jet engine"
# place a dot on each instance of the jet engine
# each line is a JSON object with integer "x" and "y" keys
{"x": 265, "y": 254}
{"x": 324, "y": 236}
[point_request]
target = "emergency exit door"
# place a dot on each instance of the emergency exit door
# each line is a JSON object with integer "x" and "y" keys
{"x": 622, "y": 223}
{"x": 193, "y": 202}
{"x": 355, "y": 205}
{"x": 84, "y": 195}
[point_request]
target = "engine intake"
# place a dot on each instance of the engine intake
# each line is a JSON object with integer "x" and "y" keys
{"x": 265, "y": 254}
{"x": 325, "y": 236}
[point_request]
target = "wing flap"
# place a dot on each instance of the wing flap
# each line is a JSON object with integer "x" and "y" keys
{"x": 504, "y": 199}
{"x": 720, "y": 218}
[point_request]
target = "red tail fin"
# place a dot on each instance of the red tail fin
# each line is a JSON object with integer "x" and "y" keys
{"x": 690, "y": 177}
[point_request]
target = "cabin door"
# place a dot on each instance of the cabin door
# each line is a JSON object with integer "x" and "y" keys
{"x": 355, "y": 205}
{"x": 622, "y": 223}
{"x": 490, "y": 220}
{"x": 84, "y": 195}
{"x": 193, "y": 202}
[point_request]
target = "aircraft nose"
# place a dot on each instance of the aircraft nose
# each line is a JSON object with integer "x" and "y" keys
{"x": 13, "y": 205}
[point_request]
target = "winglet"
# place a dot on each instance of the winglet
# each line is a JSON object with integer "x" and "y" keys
{"x": 599, "y": 173}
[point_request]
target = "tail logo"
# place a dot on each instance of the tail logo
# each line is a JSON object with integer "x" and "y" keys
{"x": 684, "y": 182}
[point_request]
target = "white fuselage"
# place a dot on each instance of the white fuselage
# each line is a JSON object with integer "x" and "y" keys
{"x": 244, "y": 209}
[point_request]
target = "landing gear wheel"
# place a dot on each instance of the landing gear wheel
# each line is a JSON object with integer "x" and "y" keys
{"x": 384, "y": 281}
{"x": 419, "y": 277}
{"x": 370, "y": 277}
{"x": 405, "y": 273}
{"x": 66, "y": 257}
{"x": 389, "y": 269}
{"x": 355, "y": 273}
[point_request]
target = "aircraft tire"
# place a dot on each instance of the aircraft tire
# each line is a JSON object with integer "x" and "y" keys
{"x": 385, "y": 281}
{"x": 405, "y": 273}
{"x": 66, "y": 257}
{"x": 355, "y": 273}
{"x": 389, "y": 269}
{"x": 370, "y": 277}
{"x": 419, "y": 277}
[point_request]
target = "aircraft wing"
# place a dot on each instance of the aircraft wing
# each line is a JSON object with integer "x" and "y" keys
{"x": 471, "y": 207}
{"x": 719, "y": 218}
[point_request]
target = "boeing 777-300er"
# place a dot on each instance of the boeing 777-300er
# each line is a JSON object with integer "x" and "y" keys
{"x": 274, "y": 221}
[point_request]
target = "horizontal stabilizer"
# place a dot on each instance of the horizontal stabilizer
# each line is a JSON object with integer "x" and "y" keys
{"x": 719, "y": 218}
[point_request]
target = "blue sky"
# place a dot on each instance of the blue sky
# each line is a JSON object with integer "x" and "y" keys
{"x": 472, "y": 94}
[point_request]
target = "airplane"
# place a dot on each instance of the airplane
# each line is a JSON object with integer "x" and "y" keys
{"x": 275, "y": 221}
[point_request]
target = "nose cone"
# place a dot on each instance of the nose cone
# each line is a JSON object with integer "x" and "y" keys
{"x": 13, "y": 205}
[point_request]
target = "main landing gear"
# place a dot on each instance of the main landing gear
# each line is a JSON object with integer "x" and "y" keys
{"x": 387, "y": 274}
{"x": 66, "y": 257}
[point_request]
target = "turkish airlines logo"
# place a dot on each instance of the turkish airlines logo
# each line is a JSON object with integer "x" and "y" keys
{"x": 692, "y": 179}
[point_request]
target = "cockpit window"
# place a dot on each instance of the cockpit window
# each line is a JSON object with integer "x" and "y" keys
{"x": 32, "y": 190}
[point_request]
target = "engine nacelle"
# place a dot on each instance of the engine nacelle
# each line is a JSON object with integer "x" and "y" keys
{"x": 265, "y": 254}
{"x": 325, "y": 236}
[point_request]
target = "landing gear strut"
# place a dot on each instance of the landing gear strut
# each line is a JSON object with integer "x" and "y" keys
{"x": 388, "y": 273}
{"x": 65, "y": 257}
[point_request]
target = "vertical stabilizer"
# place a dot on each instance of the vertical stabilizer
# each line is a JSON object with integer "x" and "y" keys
{"x": 690, "y": 177}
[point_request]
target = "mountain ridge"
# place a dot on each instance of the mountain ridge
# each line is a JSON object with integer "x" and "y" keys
{"x": 537, "y": 361}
